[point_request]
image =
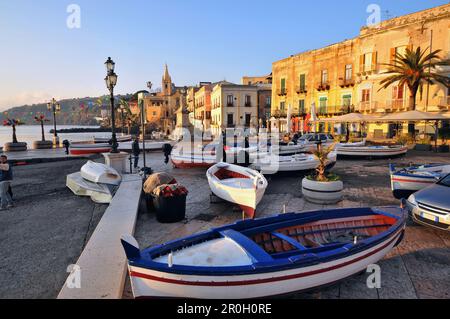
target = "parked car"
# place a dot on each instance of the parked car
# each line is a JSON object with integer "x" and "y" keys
{"x": 310, "y": 140}
{"x": 431, "y": 206}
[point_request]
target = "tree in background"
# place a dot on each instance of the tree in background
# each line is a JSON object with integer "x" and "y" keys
{"x": 414, "y": 69}
{"x": 13, "y": 123}
{"x": 41, "y": 119}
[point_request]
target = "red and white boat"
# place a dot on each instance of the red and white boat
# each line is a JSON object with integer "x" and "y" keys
{"x": 238, "y": 185}
{"x": 408, "y": 180}
{"x": 186, "y": 156}
{"x": 266, "y": 257}
{"x": 86, "y": 149}
{"x": 371, "y": 151}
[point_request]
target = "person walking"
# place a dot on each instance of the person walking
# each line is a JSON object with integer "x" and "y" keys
{"x": 5, "y": 183}
{"x": 167, "y": 150}
{"x": 136, "y": 150}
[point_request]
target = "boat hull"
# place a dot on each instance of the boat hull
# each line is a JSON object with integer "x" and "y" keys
{"x": 86, "y": 149}
{"x": 247, "y": 196}
{"x": 273, "y": 166}
{"x": 371, "y": 151}
{"x": 193, "y": 161}
{"x": 100, "y": 173}
{"x": 407, "y": 181}
{"x": 153, "y": 284}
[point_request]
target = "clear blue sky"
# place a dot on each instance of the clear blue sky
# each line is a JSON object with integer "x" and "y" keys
{"x": 201, "y": 40}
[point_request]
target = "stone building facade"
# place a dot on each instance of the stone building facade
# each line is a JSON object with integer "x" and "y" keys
{"x": 345, "y": 77}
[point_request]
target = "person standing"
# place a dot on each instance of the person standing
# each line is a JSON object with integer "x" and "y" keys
{"x": 136, "y": 150}
{"x": 167, "y": 150}
{"x": 5, "y": 183}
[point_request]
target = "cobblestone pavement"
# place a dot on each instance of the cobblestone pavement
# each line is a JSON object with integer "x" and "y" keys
{"x": 418, "y": 268}
{"x": 45, "y": 232}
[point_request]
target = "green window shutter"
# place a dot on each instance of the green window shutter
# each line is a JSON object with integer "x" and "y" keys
{"x": 302, "y": 81}
{"x": 283, "y": 84}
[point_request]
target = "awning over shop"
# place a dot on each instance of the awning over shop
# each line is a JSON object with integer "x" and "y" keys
{"x": 414, "y": 116}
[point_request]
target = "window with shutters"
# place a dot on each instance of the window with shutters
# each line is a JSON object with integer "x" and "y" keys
{"x": 301, "y": 107}
{"x": 230, "y": 119}
{"x": 283, "y": 86}
{"x": 230, "y": 100}
{"x": 368, "y": 62}
{"x": 324, "y": 77}
{"x": 348, "y": 72}
{"x": 398, "y": 51}
{"x": 302, "y": 82}
{"x": 365, "y": 95}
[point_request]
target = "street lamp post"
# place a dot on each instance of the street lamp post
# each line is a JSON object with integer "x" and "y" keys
{"x": 111, "y": 81}
{"x": 122, "y": 112}
{"x": 54, "y": 107}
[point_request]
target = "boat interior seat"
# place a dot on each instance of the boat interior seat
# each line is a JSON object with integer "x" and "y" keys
{"x": 252, "y": 249}
{"x": 223, "y": 174}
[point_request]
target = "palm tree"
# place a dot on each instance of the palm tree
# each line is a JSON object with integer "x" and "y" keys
{"x": 322, "y": 156}
{"x": 414, "y": 69}
{"x": 13, "y": 123}
{"x": 40, "y": 118}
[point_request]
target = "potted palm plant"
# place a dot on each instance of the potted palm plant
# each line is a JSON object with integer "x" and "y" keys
{"x": 14, "y": 146}
{"x": 423, "y": 144}
{"x": 322, "y": 187}
{"x": 42, "y": 144}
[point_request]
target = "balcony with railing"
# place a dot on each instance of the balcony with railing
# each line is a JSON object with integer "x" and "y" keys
{"x": 323, "y": 86}
{"x": 396, "y": 105}
{"x": 301, "y": 89}
{"x": 345, "y": 83}
{"x": 279, "y": 113}
{"x": 335, "y": 109}
{"x": 282, "y": 92}
{"x": 374, "y": 68}
{"x": 230, "y": 104}
{"x": 366, "y": 106}
{"x": 248, "y": 104}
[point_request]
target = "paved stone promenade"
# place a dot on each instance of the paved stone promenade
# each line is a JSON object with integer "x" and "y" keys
{"x": 418, "y": 268}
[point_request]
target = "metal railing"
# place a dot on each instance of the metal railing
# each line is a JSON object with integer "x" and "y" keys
{"x": 366, "y": 106}
{"x": 396, "y": 105}
{"x": 281, "y": 92}
{"x": 300, "y": 89}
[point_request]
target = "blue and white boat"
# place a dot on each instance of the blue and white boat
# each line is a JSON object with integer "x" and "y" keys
{"x": 266, "y": 257}
{"x": 408, "y": 180}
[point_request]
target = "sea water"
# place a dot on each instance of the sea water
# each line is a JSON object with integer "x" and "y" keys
{"x": 30, "y": 133}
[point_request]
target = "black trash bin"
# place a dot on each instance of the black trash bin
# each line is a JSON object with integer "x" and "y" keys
{"x": 170, "y": 209}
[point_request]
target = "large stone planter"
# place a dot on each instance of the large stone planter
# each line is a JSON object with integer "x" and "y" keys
{"x": 322, "y": 192}
{"x": 443, "y": 149}
{"x": 15, "y": 147}
{"x": 423, "y": 147}
{"x": 42, "y": 145}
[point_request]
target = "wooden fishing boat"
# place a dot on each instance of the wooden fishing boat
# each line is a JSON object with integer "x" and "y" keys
{"x": 100, "y": 173}
{"x": 371, "y": 151}
{"x": 86, "y": 149}
{"x": 150, "y": 146}
{"x": 266, "y": 257}
{"x": 288, "y": 149}
{"x": 186, "y": 157}
{"x": 272, "y": 164}
{"x": 238, "y": 185}
{"x": 125, "y": 138}
{"x": 354, "y": 144}
{"x": 408, "y": 180}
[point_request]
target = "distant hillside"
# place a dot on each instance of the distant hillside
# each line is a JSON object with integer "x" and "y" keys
{"x": 77, "y": 111}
